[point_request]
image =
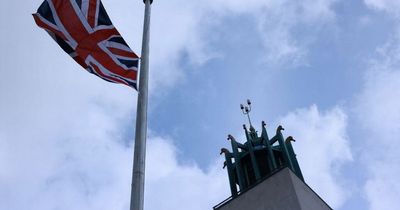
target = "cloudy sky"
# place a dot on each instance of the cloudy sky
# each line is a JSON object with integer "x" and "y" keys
{"x": 327, "y": 70}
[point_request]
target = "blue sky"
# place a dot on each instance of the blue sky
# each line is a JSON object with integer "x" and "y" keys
{"x": 327, "y": 70}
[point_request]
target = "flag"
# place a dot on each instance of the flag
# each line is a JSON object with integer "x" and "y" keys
{"x": 83, "y": 29}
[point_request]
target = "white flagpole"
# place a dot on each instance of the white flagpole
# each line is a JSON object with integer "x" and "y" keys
{"x": 138, "y": 174}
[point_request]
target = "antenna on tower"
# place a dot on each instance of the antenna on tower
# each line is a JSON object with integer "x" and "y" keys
{"x": 246, "y": 110}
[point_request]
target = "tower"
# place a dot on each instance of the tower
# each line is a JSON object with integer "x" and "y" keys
{"x": 264, "y": 173}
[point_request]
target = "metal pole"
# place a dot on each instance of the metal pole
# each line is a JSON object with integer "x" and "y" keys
{"x": 248, "y": 117}
{"x": 138, "y": 174}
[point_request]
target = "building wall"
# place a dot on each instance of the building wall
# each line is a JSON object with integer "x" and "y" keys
{"x": 282, "y": 191}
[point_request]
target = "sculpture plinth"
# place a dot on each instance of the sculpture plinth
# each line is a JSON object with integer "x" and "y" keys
{"x": 282, "y": 190}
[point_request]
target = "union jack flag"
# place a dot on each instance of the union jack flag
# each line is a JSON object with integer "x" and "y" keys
{"x": 83, "y": 29}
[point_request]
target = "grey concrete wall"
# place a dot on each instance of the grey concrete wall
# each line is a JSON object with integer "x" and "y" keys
{"x": 307, "y": 198}
{"x": 282, "y": 191}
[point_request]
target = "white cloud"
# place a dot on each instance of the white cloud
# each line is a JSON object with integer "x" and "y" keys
{"x": 63, "y": 133}
{"x": 91, "y": 169}
{"x": 182, "y": 30}
{"x": 378, "y": 111}
{"x": 185, "y": 29}
{"x": 322, "y": 149}
{"x": 390, "y": 6}
{"x": 276, "y": 23}
{"x": 175, "y": 186}
{"x": 67, "y": 165}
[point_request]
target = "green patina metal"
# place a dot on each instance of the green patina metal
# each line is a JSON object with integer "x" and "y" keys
{"x": 258, "y": 157}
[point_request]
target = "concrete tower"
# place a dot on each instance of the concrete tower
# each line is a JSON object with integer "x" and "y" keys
{"x": 264, "y": 173}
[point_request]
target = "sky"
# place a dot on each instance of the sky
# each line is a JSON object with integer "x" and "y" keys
{"x": 327, "y": 70}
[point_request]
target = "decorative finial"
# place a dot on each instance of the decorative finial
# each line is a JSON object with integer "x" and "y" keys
{"x": 224, "y": 151}
{"x": 279, "y": 129}
{"x": 246, "y": 110}
{"x": 289, "y": 139}
{"x": 151, "y": 1}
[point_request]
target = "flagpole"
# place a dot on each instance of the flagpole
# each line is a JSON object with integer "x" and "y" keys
{"x": 138, "y": 174}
